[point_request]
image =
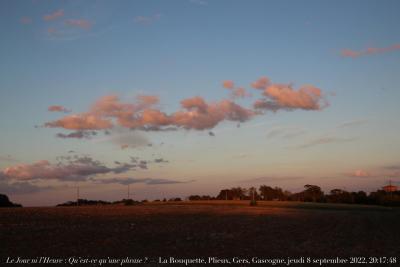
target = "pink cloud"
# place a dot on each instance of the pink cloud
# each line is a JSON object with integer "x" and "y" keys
{"x": 261, "y": 83}
{"x": 240, "y": 92}
{"x": 228, "y": 84}
{"x": 55, "y": 15}
{"x": 307, "y": 97}
{"x": 369, "y": 51}
{"x": 360, "y": 173}
{"x": 80, "y": 23}
{"x": 57, "y": 108}
{"x": 78, "y": 168}
{"x": 83, "y": 121}
{"x": 195, "y": 112}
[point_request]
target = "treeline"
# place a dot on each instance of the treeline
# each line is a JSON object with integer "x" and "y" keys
{"x": 311, "y": 193}
{"x": 5, "y": 202}
{"x": 126, "y": 202}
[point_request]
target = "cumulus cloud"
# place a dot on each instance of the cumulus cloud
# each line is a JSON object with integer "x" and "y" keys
{"x": 80, "y": 23}
{"x": 76, "y": 168}
{"x": 55, "y": 15}
{"x": 109, "y": 111}
{"x": 285, "y": 97}
{"x": 239, "y": 92}
{"x": 228, "y": 84}
{"x": 57, "y": 108}
{"x": 195, "y": 113}
{"x": 369, "y": 51}
{"x": 261, "y": 83}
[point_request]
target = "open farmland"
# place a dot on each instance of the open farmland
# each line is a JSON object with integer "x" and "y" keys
{"x": 201, "y": 229}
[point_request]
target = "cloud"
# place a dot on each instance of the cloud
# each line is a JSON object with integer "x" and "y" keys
{"x": 25, "y": 20}
{"x": 76, "y": 168}
{"x": 57, "y": 108}
{"x": 228, "y": 84}
{"x": 360, "y": 173}
{"x": 352, "y": 123}
{"x": 146, "y": 20}
{"x": 369, "y": 51}
{"x": 284, "y": 96}
{"x": 55, "y": 15}
{"x": 84, "y": 121}
{"x": 80, "y": 23}
{"x": 261, "y": 83}
{"x": 195, "y": 113}
{"x": 239, "y": 92}
{"x": 148, "y": 181}
{"x": 325, "y": 140}
{"x": 161, "y": 160}
{"x": 77, "y": 135}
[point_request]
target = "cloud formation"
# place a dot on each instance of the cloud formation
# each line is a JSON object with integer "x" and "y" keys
{"x": 109, "y": 111}
{"x": 195, "y": 113}
{"x": 360, "y": 173}
{"x": 77, "y": 135}
{"x": 76, "y": 168}
{"x": 239, "y": 92}
{"x": 57, "y": 108}
{"x": 284, "y": 96}
{"x": 369, "y": 51}
{"x": 55, "y": 15}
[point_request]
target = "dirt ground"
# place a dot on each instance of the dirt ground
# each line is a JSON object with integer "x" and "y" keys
{"x": 200, "y": 229}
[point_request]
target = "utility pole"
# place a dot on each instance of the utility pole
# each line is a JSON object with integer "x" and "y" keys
{"x": 129, "y": 192}
{"x": 77, "y": 195}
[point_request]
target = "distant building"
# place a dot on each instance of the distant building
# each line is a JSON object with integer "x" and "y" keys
{"x": 390, "y": 188}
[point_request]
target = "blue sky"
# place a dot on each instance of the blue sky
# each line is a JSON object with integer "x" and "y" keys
{"x": 176, "y": 50}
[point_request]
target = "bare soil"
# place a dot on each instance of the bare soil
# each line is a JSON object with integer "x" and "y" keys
{"x": 201, "y": 229}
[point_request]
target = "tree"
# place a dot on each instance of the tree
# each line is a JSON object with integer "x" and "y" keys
{"x": 313, "y": 193}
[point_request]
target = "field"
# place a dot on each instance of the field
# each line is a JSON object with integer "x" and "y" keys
{"x": 201, "y": 229}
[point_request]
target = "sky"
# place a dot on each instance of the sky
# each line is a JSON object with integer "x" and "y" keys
{"x": 189, "y": 97}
